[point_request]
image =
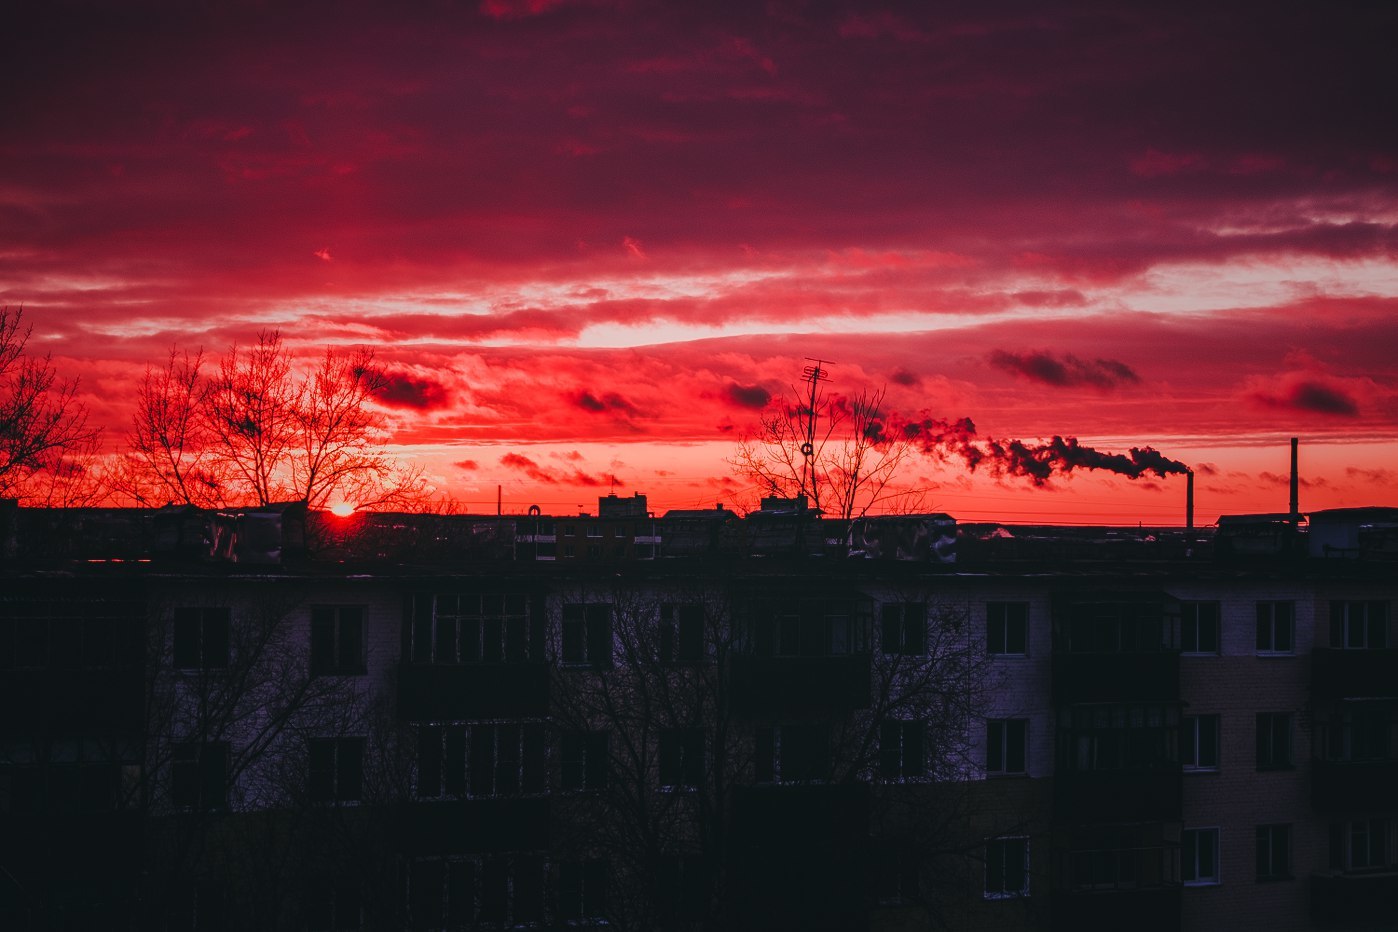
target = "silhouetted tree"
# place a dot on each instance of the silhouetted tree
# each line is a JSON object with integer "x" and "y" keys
{"x": 41, "y": 421}
{"x": 255, "y": 432}
{"x": 837, "y": 452}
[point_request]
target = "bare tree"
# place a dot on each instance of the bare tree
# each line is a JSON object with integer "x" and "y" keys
{"x": 256, "y": 432}
{"x": 839, "y": 452}
{"x": 41, "y": 421}
{"x": 169, "y": 456}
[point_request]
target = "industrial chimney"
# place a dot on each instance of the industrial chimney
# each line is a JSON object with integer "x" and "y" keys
{"x": 1189, "y": 499}
{"x": 1295, "y": 482}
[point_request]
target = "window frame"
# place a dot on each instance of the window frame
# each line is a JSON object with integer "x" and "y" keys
{"x": 1002, "y": 745}
{"x": 511, "y": 874}
{"x": 337, "y": 778}
{"x": 1272, "y": 838}
{"x": 1344, "y": 834}
{"x": 1271, "y": 608}
{"x": 1369, "y": 631}
{"x": 909, "y": 637}
{"x": 894, "y": 736}
{"x": 584, "y": 761}
{"x": 582, "y": 891}
{"x": 1191, "y": 621}
{"x": 1191, "y": 736}
{"x": 1003, "y": 845}
{"x": 199, "y": 621}
{"x": 198, "y": 771}
{"x": 681, "y": 759}
{"x": 585, "y": 635}
{"x": 792, "y": 752}
{"x": 1010, "y": 614}
{"x": 1214, "y": 834}
{"x": 453, "y": 760}
{"x": 337, "y": 658}
{"x": 1271, "y": 725}
{"x": 681, "y": 633}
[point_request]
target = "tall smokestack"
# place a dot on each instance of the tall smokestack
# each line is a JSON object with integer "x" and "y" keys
{"x": 1295, "y": 480}
{"x": 1189, "y": 500}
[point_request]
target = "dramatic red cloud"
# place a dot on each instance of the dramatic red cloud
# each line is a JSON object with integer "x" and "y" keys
{"x": 619, "y": 229}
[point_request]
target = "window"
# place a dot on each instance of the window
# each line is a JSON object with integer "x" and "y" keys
{"x": 1199, "y": 627}
{"x": 1276, "y": 623}
{"x": 895, "y": 871}
{"x": 684, "y": 886}
{"x": 1359, "y": 625}
{"x": 1274, "y": 740}
{"x": 199, "y": 775}
{"x": 456, "y": 893}
{"x": 201, "y": 638}
{"x": 1357, "y": 736}
{"x": 594, "y": 530}
{"x": 904, "y": 628}
{"x": 681, "y": 633}
{"x": 587, "y": 634}
{"x": 337, "y": 639}
{"x": 333, "y": 906}
{"x": 584, "y": 763}
{"x": 1118, "y": 736}
{"x": 792, "y": 753}
{"x": 490, "y": 627}
{"x": 337, "y": 769}
{"x": 1007, "y": 628}
{"x": 902, "y": 749}
{"x": 1199, "y": 856}
{"x": 1363, "y": 845}
{"x": 582, "y": 890}
{"x": 681, "y": 758}
{"x": 1006, "y": 741}
{"x": 1199, "y": 742}
{"x": 1006, "y": 868}
{"x": 481, "y": 760}
{"x": 1273, "y": 852}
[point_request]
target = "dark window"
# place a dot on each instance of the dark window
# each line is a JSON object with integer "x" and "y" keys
{"x": 1357, "y": 736}
{"x": 1359, "y": 625}
{"x": 1199, "y": 627}
{"x": 1006, "y": 742}
{"x": 460, "y": 893}
{"x": 682, "y": 758}
{"x": 895, "y": 871}
{"x": 587, "y": 634}
{"x": 1006, "y": 867}
{"x": 199, "y": 775}
{"x": 582, "y": 890}
{"x": 1274, "y": 740}
{"x": 1276, "y": 627}
{"x": 1199, "y": 855}
{"x": 1273, "y": 852}
{"x": 201, "y": 638}
{"x": 333, "y": 906}
{"x": 490, "y": 627}
{"x": 485, "y": 760}
{"x": 337, "y": 639}
{"x": 904, "y": 628}
{"x": 684, "y": 886}
{"x": 902, "y": 749}
{"x": 1124, "y": 736}
{"x": 1199, "y": 742}
{"x": 1007, "y": 627}
{"x": 792, "y": 753}
{"x": 1362, "y": 845}
{"x": 584, "y": 762}
{"x": 337, "y": 769}
{"x": 681, "y": 633}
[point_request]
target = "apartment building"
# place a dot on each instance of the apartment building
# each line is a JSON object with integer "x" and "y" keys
{"x": 282, "y": 720}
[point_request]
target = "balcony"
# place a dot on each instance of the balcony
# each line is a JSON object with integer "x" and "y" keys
{"x": 1354, "y": 898}
{"x": 434, "y": 692}
{"x": 470, "y": 825}
{"x": 1116, "y": 677}
{"x": 1354, "y": 785}
{"x": 774, "y": 687}
{"x": 1118, "y": 796}
{"x": 64, "y": 701}
{"x": 1148, "y": 909}
{"x": 1354, "y": 674}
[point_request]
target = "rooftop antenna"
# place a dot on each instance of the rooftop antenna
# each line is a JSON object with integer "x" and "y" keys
{"x": 812, "y": 375}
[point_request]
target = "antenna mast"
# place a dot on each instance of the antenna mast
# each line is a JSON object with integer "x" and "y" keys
{"x": 812, "y": 375}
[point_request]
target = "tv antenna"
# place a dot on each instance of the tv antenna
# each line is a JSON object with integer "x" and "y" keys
{"x": 813, "y": 376}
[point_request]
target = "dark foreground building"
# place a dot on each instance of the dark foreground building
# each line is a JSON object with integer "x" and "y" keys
{"x": 276, "y": 720}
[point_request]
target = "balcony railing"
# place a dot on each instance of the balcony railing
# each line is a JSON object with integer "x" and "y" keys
{"x": 1355, "y": 898}
{"x": 1354, "y": 785}
{"x": 1118, "y": 795}
{"x": 768, "y": 687}
{"x": 1142, "y": 909}
{"x": 1116, "y": 677}
{"x": 468, "y": 825}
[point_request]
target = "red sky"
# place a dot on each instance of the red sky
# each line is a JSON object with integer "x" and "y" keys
{"x": 589, "y": 239}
